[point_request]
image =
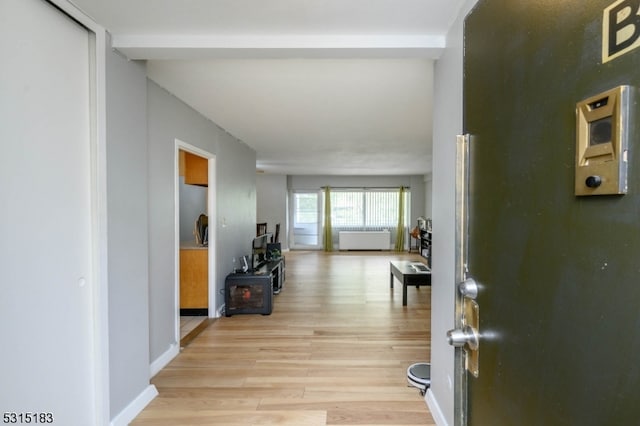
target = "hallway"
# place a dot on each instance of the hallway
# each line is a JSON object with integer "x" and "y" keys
{"x": 334, "y": 351}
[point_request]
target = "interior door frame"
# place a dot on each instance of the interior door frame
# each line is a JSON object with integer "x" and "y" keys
{"x": 211, "y": 213}
{"x": 463, "y": 143}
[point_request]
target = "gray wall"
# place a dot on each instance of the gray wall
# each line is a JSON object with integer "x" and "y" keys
{"x": 168, "y": 119}
{"x": 271, "y": 205}
{"x": 143, "y": 121}
{"x": 447, "y": 124}
{"x": 127, "y": 230}
{"x": 428, "y": 195}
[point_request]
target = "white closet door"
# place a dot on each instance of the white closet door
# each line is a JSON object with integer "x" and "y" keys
{"x": 46, "y": 277}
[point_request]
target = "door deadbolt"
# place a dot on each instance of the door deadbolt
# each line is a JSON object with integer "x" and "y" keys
{"x": 466, "y": 336}
{"x": 468, "y": 288}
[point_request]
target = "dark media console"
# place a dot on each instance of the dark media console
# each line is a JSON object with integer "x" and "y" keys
{"x": 252, "y": 292}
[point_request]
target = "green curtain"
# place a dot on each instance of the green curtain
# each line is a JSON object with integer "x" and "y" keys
{"x": 327, "y": 231}
{"x": 400, "y": 230}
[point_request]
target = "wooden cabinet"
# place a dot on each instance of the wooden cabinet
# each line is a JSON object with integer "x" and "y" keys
{"x": 194, "y": 278}
{"x": 194, "y": 168}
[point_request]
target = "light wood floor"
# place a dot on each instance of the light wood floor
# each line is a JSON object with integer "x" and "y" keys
{"x": 188, "y": 324}
{"x": 335, "y": 351}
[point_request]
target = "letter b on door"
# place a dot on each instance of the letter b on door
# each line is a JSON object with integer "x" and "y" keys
{"x": 621, "y": 29}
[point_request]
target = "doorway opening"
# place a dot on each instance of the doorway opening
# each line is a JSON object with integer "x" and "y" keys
{"x": 306, "y": 213}
{"x": 195, "y": 287}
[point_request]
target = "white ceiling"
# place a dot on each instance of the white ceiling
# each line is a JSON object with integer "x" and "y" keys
{"x": 314, "y": 86}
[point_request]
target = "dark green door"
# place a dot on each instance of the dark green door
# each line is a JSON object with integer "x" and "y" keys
{"x": 559, "y": 274}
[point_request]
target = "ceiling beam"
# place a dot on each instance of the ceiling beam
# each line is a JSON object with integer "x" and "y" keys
{"x": 186, "y": 47}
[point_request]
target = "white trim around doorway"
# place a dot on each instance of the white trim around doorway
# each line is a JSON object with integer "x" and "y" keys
{"x": 211, "y": 212}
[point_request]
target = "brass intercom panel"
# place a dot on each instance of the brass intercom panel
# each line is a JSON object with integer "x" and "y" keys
{"x": 602, "y": 140}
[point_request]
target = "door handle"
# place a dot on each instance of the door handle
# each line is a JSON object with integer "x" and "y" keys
{"x": 465, "y": 336}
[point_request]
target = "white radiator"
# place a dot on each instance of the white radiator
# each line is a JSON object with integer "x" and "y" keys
{"x": 364, "y": 240}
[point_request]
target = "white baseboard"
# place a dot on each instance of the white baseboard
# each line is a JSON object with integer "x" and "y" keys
{"x": 135, "y": 407}
{"x": 436, "y": 412}
{"x": 164, "y": 359}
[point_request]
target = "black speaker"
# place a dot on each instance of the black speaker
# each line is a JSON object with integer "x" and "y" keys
{"x": 248, "y": 294}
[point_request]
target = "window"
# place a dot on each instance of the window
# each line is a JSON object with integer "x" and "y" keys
{"x": 365, "y": 209}
{"x": 306, "y": 208}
